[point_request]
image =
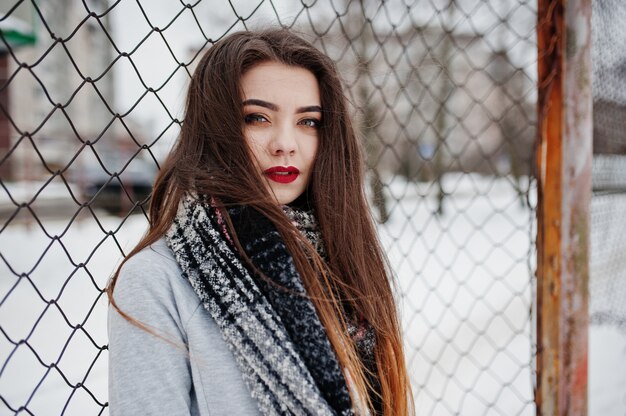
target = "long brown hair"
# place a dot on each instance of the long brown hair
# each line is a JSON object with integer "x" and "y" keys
{"x": 211, "y": 157}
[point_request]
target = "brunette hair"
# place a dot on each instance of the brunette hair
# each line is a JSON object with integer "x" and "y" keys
{"x": 212, "y": 158}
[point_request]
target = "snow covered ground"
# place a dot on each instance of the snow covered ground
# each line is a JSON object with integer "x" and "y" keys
{"x": 464, "y": 281}
{"x": 26, "y": 313}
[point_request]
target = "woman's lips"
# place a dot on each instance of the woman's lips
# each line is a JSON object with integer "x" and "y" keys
{"x": 282, "y": 174}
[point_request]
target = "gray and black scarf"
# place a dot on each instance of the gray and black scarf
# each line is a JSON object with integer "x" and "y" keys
{"x": 273, "y": 330}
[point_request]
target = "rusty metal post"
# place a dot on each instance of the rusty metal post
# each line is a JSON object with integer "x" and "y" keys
{"x": 564, "y": 152}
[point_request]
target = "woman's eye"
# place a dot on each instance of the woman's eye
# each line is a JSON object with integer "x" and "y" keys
{"x": 311, "y": 122}
{"x": 254, "y": 118}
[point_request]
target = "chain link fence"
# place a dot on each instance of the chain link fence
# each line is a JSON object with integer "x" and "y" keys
{"x": 91, "y": 98}
{"x": 607, "y": 288}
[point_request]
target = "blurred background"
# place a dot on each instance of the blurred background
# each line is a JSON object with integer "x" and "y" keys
{"x": 444, "y": 93}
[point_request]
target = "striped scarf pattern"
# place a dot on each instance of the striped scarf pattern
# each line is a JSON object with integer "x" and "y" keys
{"x": 275, "y": 335}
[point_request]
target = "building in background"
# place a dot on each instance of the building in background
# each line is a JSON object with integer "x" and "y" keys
{"x": 59, "y": 90}
{"x": 439, "y": 95}
{"x": 16, "y": 33}
{"x": 59, "y": 102}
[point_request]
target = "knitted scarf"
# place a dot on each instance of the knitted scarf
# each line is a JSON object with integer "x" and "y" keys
{"x": 275, "y": 334}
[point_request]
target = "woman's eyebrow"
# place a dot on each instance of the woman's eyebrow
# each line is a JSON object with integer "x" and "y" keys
{"x": 310, "y": 109}
{"x": 274, "y": 107}
{"x": 261, "y": 103}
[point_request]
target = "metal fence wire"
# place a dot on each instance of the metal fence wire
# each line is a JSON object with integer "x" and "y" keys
{"x": 444, "y": 92}
{"x": 607, "y": 285}
{"x": 608, "y": 290}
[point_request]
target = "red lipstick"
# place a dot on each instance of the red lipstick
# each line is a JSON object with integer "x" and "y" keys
{"x": 282, "y": 174}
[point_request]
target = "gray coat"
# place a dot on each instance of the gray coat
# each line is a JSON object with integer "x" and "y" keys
{"x": 197, "y": 375}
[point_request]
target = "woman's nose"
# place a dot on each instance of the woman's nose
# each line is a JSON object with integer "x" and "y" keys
{"x": 283, "y": 142}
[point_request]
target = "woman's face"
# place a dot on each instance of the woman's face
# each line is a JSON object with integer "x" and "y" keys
{"x": 282, "y": 116}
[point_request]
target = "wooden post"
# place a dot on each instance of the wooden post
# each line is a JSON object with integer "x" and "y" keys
{"x": 564, "y": 152}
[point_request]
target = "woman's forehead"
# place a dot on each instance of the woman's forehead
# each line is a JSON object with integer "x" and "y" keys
{"x": 281, "y": 84}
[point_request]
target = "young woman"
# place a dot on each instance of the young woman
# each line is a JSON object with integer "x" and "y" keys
{"x": 260, "y": 287}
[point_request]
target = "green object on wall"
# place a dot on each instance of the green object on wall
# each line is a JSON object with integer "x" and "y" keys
{"x": 16, "y": 33}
